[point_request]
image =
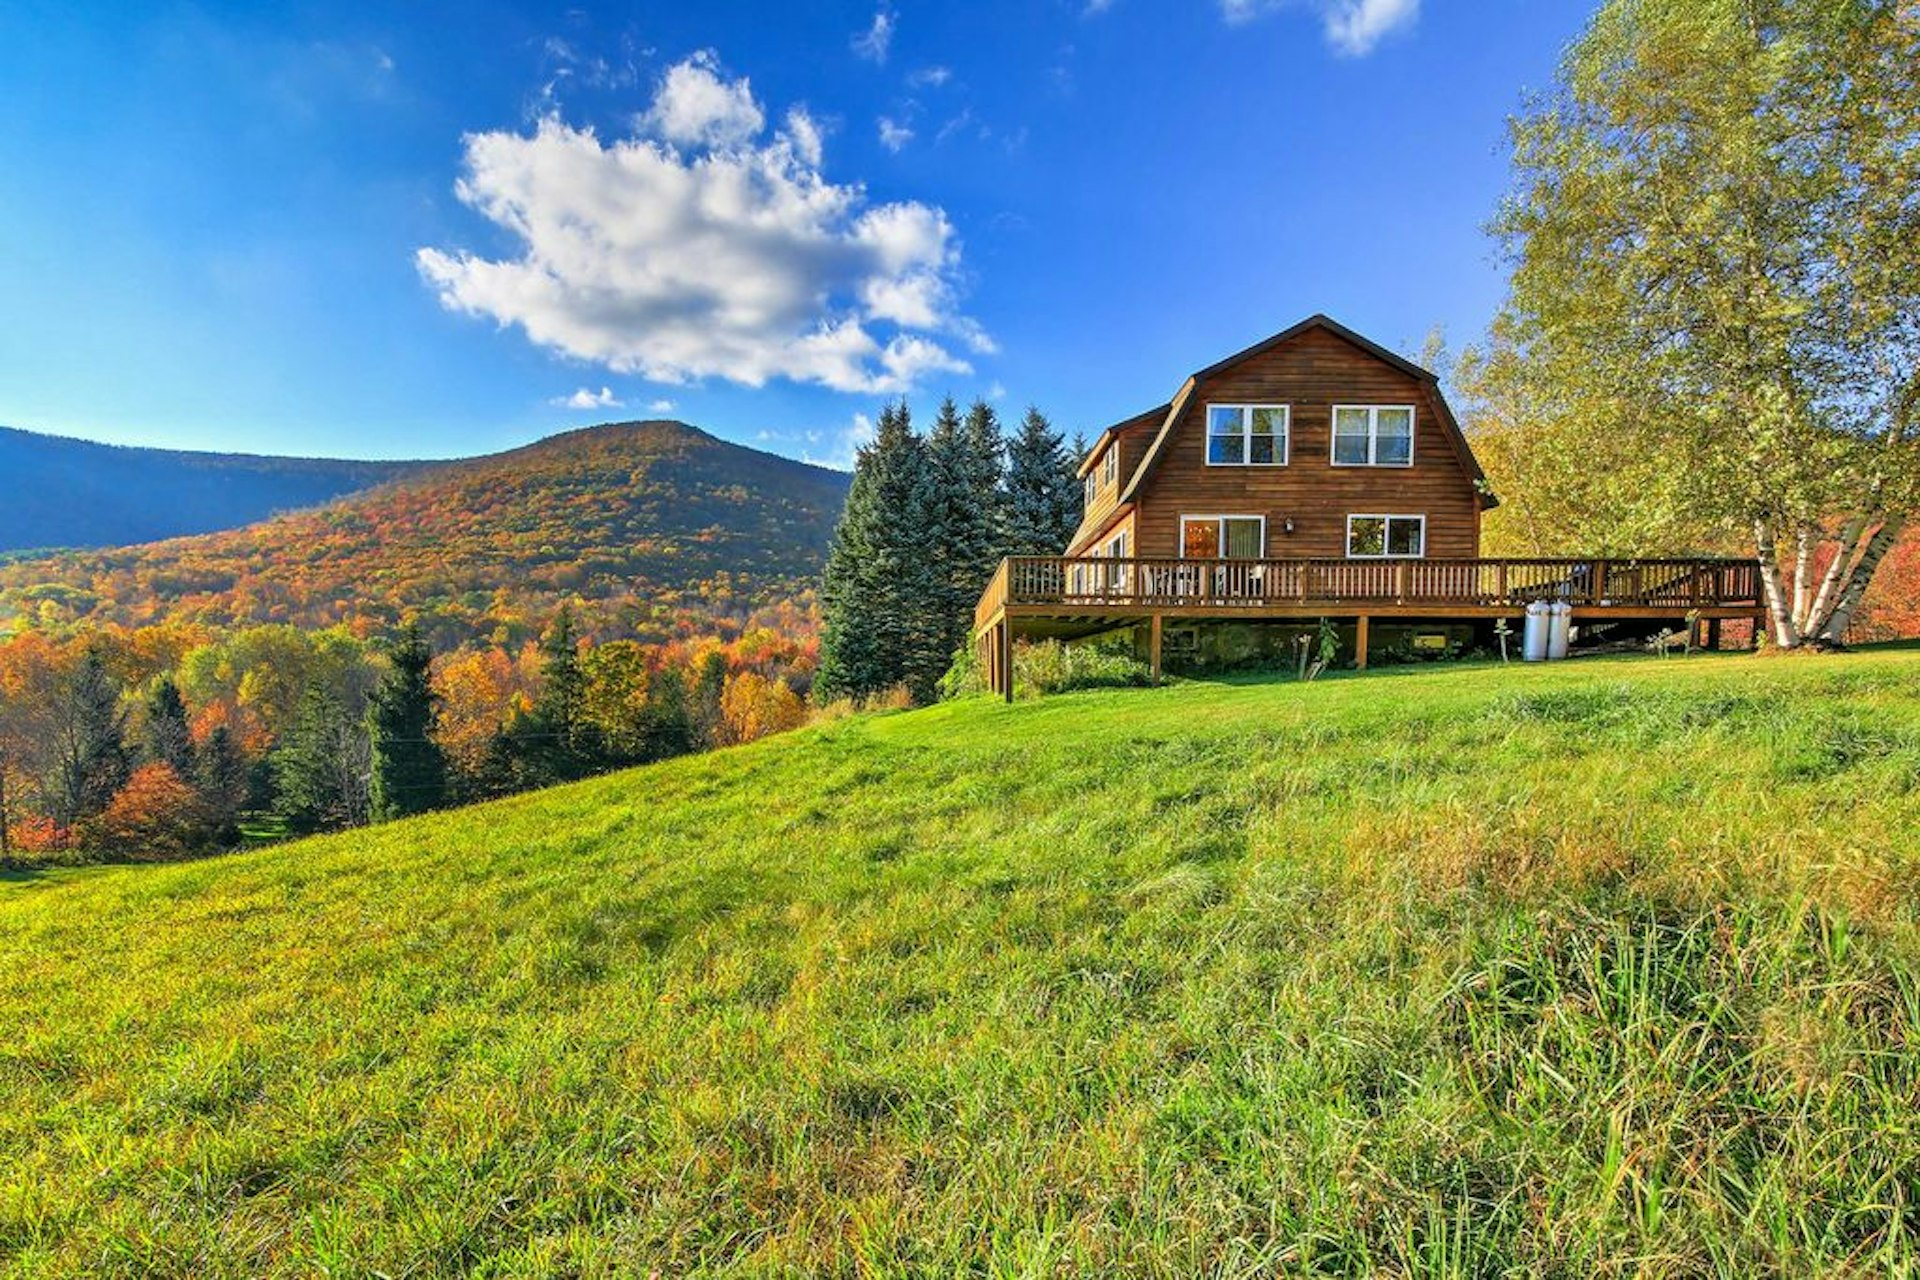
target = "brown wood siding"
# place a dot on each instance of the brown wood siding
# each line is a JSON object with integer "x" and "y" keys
{"x": 1311, "y": 373}
{"x": 1132, "y": 443}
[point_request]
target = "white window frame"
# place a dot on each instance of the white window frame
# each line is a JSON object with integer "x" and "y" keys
{"x": 1246, "y": 434}
{"x": 1110, "y": 466}
{"x": 1218, "y": 518}
{"x": 1373, "y": 434}
{"x": 1386, "y": 535}
{"x": 1089, "y": 491}
{"x": 1118, "y": 540}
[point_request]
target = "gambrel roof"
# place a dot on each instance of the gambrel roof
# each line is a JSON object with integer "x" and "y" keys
{"x": 1431, "y": 382}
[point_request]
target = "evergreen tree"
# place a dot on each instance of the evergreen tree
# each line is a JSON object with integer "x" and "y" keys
{"x": 880, "y": 594}
{"x": 321, "y": 769}
{"x": 556, "y": 741}
{"x": 93, "y": 760}
{"x": 1043, "y": 491}
{"x": 222, "y": 779}
{"x": 987, "y": 460}
{"x": 409, "y": 769}
{"x": 168, "y": 740}
{"x": 666, "y": 728}
{"x": 709, "y": 686}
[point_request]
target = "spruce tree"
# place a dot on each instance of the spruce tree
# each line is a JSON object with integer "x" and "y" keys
{"x": 320, "y": 769}
{"x": 666, "y": 727}
{"x": 987, "y": 477}
{"x": 222, "y": 779}
{"x": 709, "y": 685}
{"x": 93, "y": 762}
{"x": 880, "y": 592}
{"x": 409, "y": 769}
{"x": 167, "y": 739}
{"x": 1043, "y": 492}
{"x": 556, "y": 741}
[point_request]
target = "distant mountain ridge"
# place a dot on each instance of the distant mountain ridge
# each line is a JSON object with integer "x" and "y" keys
{"x": 65, "y": 492}
{"x": 651, "y": 528}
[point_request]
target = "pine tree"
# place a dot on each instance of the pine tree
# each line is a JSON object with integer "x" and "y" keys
{"x": 880, "y": 592}
{"x": 409, "y": 769}
{"x": 987, "y": 460}
{"x": 93, "y": 760}
{"x": 666, "y": 728}
{"x": 167, "y": 739}
{"x": 222, "y": 779}
{"x": 1043, "y": 492}
{"x": 709, "y": 688}
{"x": 555, "y": 741}
{"x": 321, "y": 769}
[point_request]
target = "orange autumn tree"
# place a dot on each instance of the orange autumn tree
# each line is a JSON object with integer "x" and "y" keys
{"x": 155, "y": 817}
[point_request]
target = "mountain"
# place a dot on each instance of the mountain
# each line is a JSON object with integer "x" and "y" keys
{"x": 1455, "y": 971}
{"x": 652, "y": 527}
{"x": 76, "y": 493}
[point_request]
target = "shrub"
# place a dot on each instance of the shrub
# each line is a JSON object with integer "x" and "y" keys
{"x": 1049, "y": 666}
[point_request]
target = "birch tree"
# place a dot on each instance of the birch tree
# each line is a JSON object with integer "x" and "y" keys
{"x": 1714, "y": 227}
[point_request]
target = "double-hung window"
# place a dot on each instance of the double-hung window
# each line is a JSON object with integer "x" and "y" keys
{"x": 1110, "y": 467}
{"x": 1247, "y": 435}
{"x": 1386, "y": 537}
{"x": 1373, "y": 435}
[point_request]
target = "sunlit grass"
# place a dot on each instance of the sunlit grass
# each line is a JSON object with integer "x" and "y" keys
{"x": 1608, "y": 968}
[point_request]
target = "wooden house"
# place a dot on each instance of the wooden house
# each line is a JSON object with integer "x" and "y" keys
{"x": 1314, "y": 475}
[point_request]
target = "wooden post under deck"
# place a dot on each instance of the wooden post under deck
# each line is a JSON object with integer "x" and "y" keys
{"x": 1360, "y": 643}
{"x": 1713, "y": 633}
{"x": 1153, "y": 647}
{"x": 1006, "y": 658}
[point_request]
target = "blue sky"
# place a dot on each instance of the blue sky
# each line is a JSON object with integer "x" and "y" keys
{"x": 441, "y": 230}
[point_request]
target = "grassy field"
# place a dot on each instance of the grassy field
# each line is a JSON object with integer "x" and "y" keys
{"x": 1604, "y": 969}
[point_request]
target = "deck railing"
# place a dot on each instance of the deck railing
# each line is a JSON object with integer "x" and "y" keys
{"x": 1138, "y": 583}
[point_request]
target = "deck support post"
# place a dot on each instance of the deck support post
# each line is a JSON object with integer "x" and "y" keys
{"x": 1006, "y": 658}
{"x": 1713, "y": 633}
{"x": 1360, "y": 642}
{"x": 1153, "y": 647}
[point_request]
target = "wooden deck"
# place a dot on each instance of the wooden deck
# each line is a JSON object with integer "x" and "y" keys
{"x": 1067, "y": 595}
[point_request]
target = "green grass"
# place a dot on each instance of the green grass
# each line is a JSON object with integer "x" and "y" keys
{"x": 1603, "y": 969}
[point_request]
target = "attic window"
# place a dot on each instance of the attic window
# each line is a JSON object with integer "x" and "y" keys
{"x": 1247, "y": 435}
{"x": 1373, "y": 435}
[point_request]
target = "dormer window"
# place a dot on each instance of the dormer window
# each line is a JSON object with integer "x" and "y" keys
{"x": 1110, "y": 466}
{"x": 1373, "y": 435}
{"x": 1247, "y": 435}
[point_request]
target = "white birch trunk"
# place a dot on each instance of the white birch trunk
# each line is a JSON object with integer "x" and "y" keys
{"x": 1804, "y": 543}
{"x": 1785, "y": 633}
{"x": 1834, "y": 629}
{"x": 1836, "y": 575}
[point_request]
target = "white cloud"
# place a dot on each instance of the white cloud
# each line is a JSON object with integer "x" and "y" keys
{"x": 843, "y": 444}
{"x": 894, "y": 135}
{"x": 1355, "y": 26}
{"x": 587, "y": 398}
{"x": 660, "y": 406}
{"x": 1352, "y": 27}
{"x": 1094, "y": 8}
{"x": 704, "y": 246}
{"x": 876, "y": 41}
{"x": 696, "y": 108}
{"x": 929, "y": 77}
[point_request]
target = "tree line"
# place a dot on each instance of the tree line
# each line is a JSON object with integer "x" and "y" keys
{"x": 927, "y": 520}
{"x": 163, "y": 742}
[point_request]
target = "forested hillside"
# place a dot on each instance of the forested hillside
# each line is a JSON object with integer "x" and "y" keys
{"x": 652, "y": 528}
{"x": 62, "y": 492}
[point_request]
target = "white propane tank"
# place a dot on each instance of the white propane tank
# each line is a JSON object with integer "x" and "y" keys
{"x": 1533, "y": 639}
{"x": 1559, "y": 629}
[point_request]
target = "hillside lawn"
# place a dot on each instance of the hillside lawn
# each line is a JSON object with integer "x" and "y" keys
{"x": 1606, "y": 968}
